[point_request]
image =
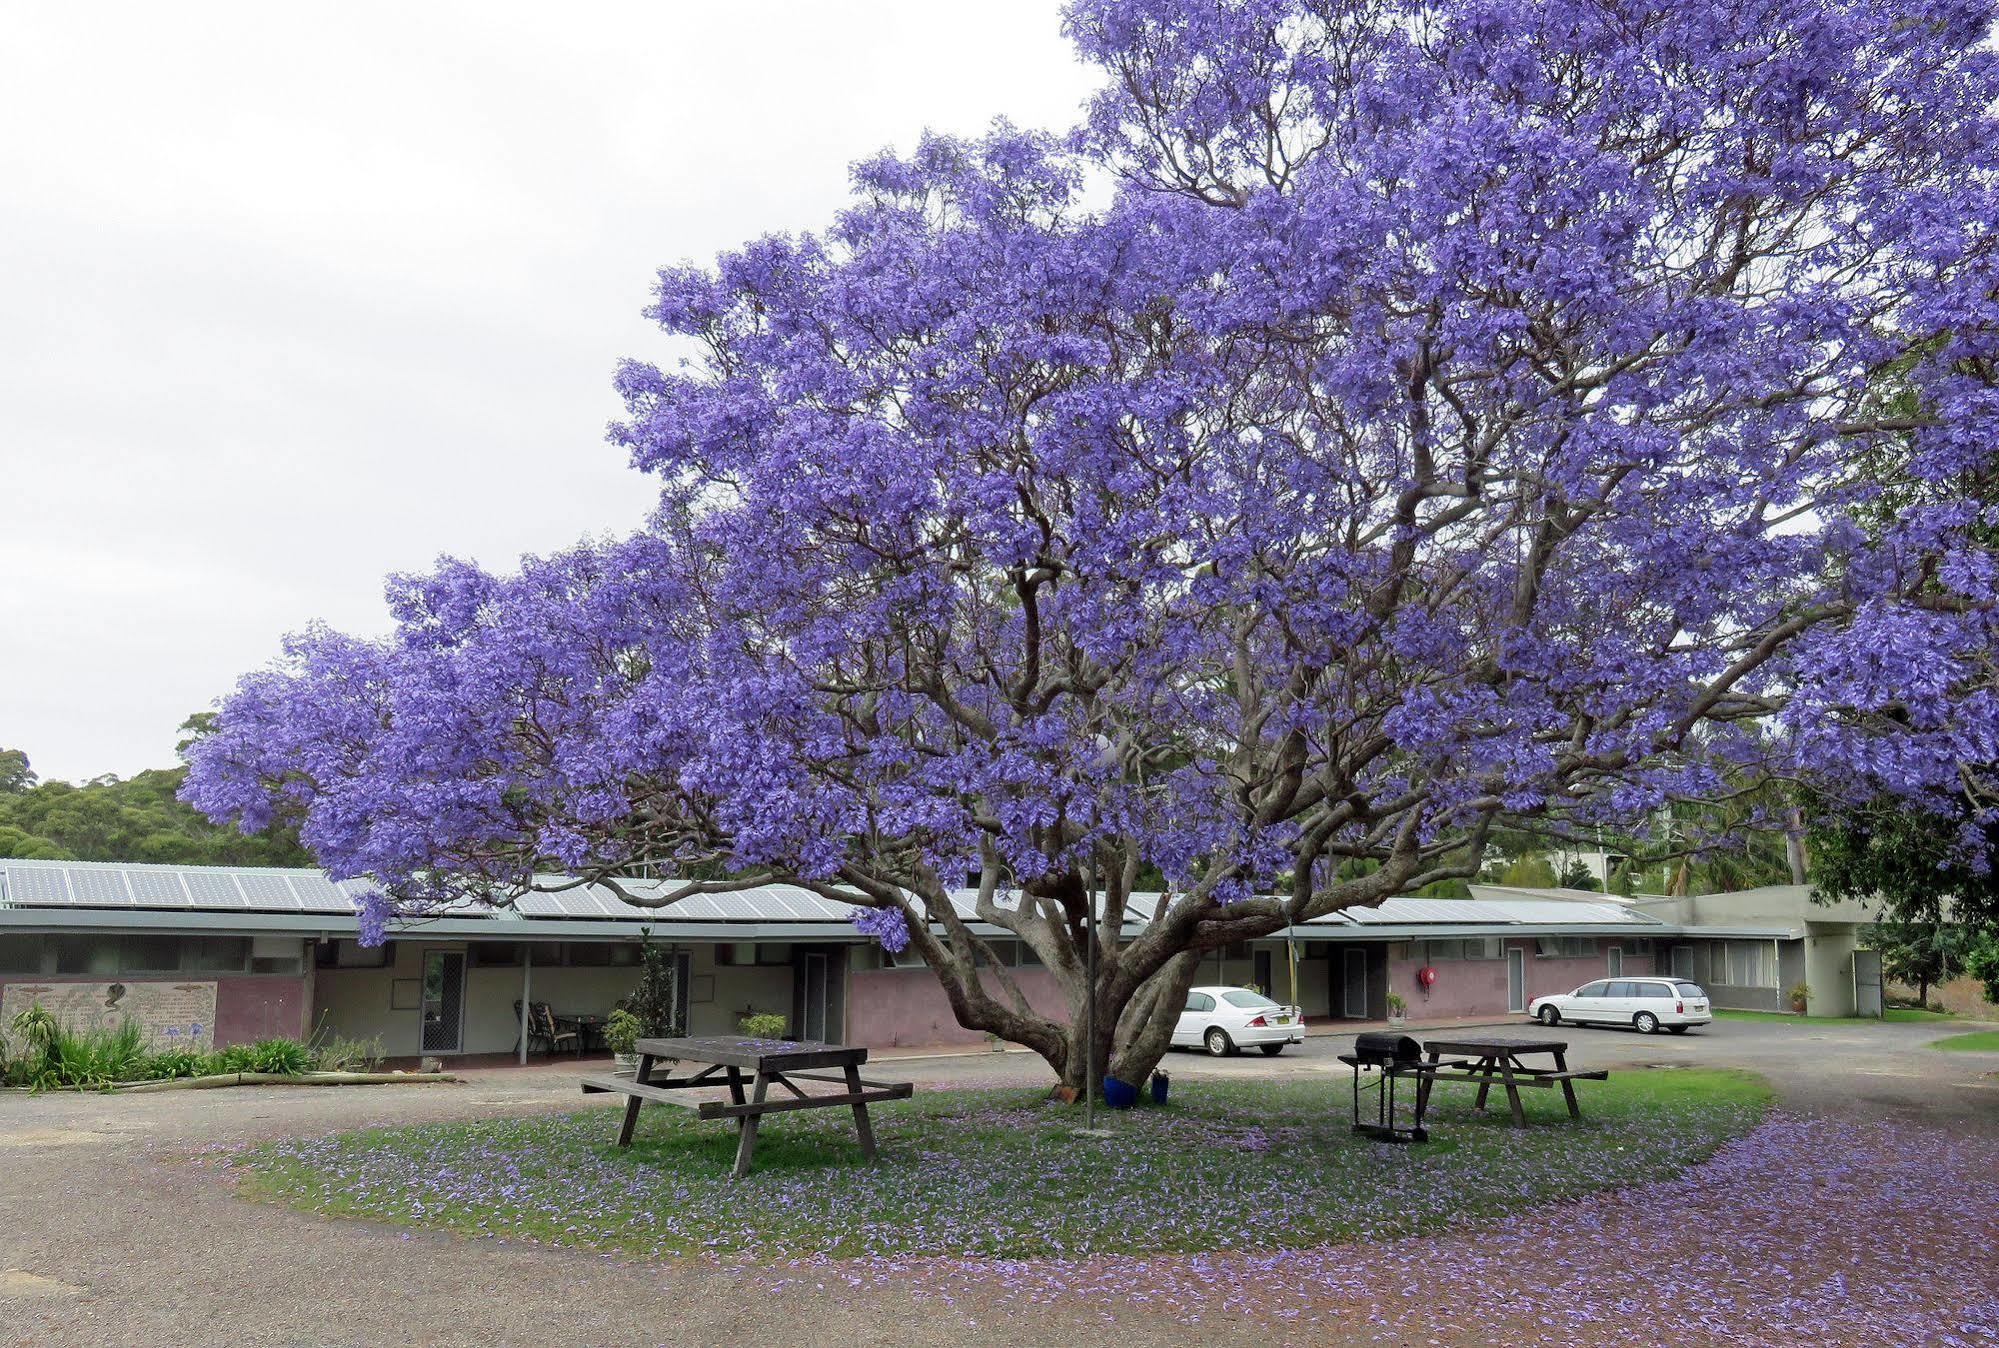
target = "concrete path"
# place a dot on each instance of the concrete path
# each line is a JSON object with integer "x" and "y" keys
{"x": 113, "y": 1232}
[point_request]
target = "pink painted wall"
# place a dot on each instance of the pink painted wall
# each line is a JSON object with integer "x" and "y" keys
{"x": 248, "y": 1007}
{"x": 1478, "y": 987}
{"x": 890, "y": 1007}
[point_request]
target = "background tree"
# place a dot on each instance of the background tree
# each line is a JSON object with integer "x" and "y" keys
{"x": 15, "y": 774}
{"x": 1921, "y": 954}
{"x": 1382, "y": 422}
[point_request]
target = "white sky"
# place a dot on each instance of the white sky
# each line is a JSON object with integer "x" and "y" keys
{"x": 294, "y": 296}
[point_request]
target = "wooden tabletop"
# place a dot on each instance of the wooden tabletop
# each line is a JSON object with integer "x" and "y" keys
{"x": 733, "y": 1050}
{"x": 1495, "y": 1046}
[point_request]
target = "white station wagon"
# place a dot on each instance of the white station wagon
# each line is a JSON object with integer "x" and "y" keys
{"x": 1646, "y": 1004}
{"x": 1227, "y": 1020}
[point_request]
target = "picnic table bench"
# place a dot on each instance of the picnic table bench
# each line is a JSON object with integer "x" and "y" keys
{"x": 1498, "y": 1061}
{"x": 765, "y": 1063}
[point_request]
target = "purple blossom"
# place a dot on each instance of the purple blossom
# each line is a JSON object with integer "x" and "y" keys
{"x": 372, "y": 912}
{"x": 886, "y": 925}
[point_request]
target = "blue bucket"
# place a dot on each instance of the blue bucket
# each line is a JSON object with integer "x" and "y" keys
{"x": 1119, "y": 1094}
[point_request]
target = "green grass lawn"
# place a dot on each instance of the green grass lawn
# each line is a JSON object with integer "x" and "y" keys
{"x": 1893, "y": 1015}
{"x": 995, "y": 1172}
{"x": 1983, "y": 1041}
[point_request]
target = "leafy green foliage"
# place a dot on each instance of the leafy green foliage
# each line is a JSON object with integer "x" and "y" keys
{"x": 762, "y": 1025}
{"x": 15, "y": 774}
{"x": 53, "y": 1056}
{"x": 1921, "y": 954}
{"x": 343, "y": 1053}
{"x": 281, "y": 1057}
{"x": 135, "y": 820}
{"x": 1913, "y": 862}
{"x": 656, "y": 1000}
{"x": 621, "y": 1031}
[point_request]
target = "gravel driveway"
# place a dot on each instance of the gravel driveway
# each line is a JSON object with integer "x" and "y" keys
{"x": 1867, "y": 1212}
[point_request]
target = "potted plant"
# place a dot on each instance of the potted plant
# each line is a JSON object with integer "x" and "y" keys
{"x": 1396, "y": 1008}
{"x": 1800, "y": 996}
{"x": 762, "y": 1025}
{"x": 621, "y": 1033}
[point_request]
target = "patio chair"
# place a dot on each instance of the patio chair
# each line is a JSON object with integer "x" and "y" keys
{"x": 555, "y": 1034}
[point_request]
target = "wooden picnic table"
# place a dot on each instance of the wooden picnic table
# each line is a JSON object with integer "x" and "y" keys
{"x": 765, "y": 1063}
{"x": 1500, "y": 1059}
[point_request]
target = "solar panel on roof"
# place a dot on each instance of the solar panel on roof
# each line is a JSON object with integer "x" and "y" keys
{"x": 317, "y": 894}
{"x": 267, "y": 891}
{"x": 157, "y": 889}
{"x": 214, "y": 889}
{"x": 99, "y": 888}
{"x": 32, "y": 885}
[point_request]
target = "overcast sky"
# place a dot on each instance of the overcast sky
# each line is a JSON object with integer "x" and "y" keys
{"x": 295, "y": 296}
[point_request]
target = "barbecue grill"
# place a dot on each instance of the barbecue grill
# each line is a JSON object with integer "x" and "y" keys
{"x": 1379, "y": 1061}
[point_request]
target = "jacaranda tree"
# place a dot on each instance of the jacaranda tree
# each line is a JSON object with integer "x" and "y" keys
{"x": 1379, "y": 419}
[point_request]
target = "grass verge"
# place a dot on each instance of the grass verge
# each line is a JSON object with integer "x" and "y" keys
{"x": 995, "y": 1173}
{"x": 1894, "y": 1015}
{"x": 1984, "y": 1041}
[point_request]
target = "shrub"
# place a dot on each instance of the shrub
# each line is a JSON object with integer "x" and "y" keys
{"x": 341, "y": 1053}
{"x": 762, "y": 1025}
{"x": 621, "y": 1031}
{"x": 656, "y": 1000}
{"x": 171, "y": 1062}
{"x": 280, "y": 1057}
{"x": 235, "y": 1058}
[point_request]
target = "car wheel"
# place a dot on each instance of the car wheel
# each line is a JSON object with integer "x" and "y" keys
{"x": 1550, "y": 1016}
{"x": 1271, "y": 1050}
{"x": 1218, "y": 1043}
{"x": 1646, "y": 1022}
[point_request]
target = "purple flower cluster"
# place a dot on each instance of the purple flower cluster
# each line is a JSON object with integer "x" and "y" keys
{"x": 886, "y": 925}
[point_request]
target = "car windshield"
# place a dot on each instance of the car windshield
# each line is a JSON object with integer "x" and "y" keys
{"x": 1246, "y": 999}
{"x": 1690, "y": 989}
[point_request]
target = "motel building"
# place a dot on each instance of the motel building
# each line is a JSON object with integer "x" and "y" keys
{"x": 209, "y": 956}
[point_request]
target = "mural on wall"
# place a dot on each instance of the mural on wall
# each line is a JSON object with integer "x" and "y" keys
{"x": 169, "y": 1015}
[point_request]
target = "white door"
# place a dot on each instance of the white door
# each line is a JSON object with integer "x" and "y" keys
{"x": 1354, "y": 997}
{"x": 1516, "y": 979}
{"x": 1615, "y": 960}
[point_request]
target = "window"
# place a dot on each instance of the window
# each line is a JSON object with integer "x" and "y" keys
{"x": 1247, "y": 1000}
{"x": 86, "y": 955}
{"x": 773, "y": 954}
{"x": 1689, "y": 990}
{"x": 495, "y": 954}
{"x": 351, "y": 955}
{"x": 1751, "y": 964}
{"x": 215, "y": 955}
{"x": 605, "y": 954}
{"x": 1598, "y": 989}
{"x": 1485, "y": 948}
{"x": 1564, "y": 947}
{"x": 1435, "y": 952}
{"x": 1624, "y": 989}
{"x": 149, "y": 954}
{"x": 731, "y": 954}
{"x": 1200, "y": 1001}
{"x": 20, "y": 955}
{"x": 1641, "y": 945}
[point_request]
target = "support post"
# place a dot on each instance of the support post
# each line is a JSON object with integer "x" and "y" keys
{"x": 527, "y": 991}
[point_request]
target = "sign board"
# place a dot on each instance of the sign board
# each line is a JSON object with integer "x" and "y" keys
{"x": 169, "y": 1014}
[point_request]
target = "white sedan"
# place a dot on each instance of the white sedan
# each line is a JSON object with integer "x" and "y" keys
{"x": 1646, "y": 1004}
{"x": 1227, "y": 1020}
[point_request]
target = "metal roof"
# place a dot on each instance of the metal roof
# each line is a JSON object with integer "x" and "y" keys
{"x": 147, "y": 893}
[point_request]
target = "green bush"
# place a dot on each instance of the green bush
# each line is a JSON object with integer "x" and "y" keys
{"x": 280, "y": 1057}
{"x": 763, "y": 1025}
{"x": 340, "y": 1053}
{"x": 57, "y": 1057}
{"x": 172, "y": 1062}
{"x": 621, "y": 1031}
{"x": 235, "y": 1058}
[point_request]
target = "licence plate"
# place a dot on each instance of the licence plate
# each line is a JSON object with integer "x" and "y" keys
{"x": 1284, "y": 1020}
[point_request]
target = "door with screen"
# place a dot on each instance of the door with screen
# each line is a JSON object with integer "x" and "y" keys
{"x": 1354, "y": 985}
{"x": 443, "y": 1000}
{"x": 1516, "y": 979}
{"x": 1614, "y": 960}
{"x": 816, "y": 988}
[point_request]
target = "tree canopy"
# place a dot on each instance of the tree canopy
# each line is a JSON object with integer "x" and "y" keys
{"x": 1379, "y": 420}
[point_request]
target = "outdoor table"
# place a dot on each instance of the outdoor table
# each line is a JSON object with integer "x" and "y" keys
{"x": 765, "y": 1062}
{"x": 1500, "y": 1059}
{"x": 589, "y": 1025}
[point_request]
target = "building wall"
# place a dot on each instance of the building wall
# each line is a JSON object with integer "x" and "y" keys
{"x": 359, "y": 1002}
{"x": 887, "y": 1008}
{"x": 1478, "y": 987}
{"x": 248, "y": 1007}
{"x": 1828, "y": 968}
